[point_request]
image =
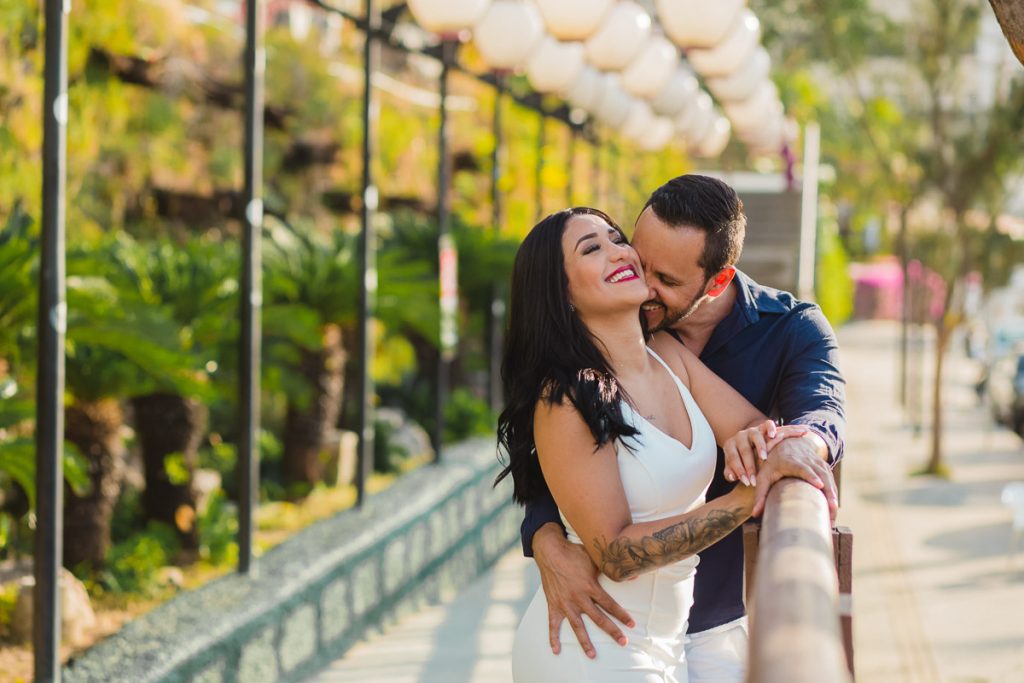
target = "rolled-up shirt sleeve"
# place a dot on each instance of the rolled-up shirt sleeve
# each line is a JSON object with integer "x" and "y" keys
{"x": 811, "y": 389}
{"x": 539, "y": 512}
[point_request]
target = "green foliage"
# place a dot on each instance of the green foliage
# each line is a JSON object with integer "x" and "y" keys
{"x": 466, "y": 415}
{"x": 18, "y": 248}
{"x": 133, "y": 565}
{"x": 218, "y": 529}
{"x": 834, "y": 289}
{"x": 387, "y": 454}
{"x": 8, "y": 601}
{"x": 18, "y": 464}
{"x": 120, "y": 343}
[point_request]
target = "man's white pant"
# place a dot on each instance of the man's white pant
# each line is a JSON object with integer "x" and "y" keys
{"x": 718, "y": 655}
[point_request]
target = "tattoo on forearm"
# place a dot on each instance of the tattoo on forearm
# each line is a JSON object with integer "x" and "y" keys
{"x": 624, "y": 558}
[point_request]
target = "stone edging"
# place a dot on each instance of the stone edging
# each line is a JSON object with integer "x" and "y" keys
{"x": 314, "y": 595}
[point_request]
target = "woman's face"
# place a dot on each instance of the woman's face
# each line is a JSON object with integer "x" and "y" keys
{"x": 603, "y": 270}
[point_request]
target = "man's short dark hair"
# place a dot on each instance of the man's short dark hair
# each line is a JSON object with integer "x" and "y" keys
{"x": 708, "y": 204}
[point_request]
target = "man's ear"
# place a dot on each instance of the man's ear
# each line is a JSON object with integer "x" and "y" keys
{"x": 720, "y": 282}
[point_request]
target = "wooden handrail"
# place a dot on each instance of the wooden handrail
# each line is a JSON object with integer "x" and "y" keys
{"x": 795, "y": 629}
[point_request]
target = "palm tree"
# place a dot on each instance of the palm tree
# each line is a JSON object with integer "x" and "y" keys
{"x": 195, "y": 284}
{"x": 18, "y": 249}
{"x": 311, "y": 281}
{"x": 119, "y": 345}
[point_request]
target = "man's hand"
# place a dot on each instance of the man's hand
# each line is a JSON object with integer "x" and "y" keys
{"x": 571, "y": 588}
{"x": 802, "y": 457}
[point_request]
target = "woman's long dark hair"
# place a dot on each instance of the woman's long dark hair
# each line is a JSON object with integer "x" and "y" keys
{"x": 549, "y": 355}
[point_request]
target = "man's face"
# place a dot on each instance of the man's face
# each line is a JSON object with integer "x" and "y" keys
{"x": 670, "y": 256}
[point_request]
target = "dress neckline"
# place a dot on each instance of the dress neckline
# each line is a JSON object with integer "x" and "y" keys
{"x": 688, "y": 405}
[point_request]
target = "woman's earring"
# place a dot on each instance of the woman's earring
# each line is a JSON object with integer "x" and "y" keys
{"x": 572, "y": 309}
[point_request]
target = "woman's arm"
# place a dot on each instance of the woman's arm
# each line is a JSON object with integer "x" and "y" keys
{"x": 586, "y": 485}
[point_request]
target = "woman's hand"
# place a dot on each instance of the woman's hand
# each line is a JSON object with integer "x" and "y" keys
{"x": 749, "y": 447}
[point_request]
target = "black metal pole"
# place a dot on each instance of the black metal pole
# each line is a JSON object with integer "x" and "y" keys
{"x": 443, "y": 226}
{"x": 616, "y": 181}
{"x": 252, "y": 288}
{"x": 570, "y": 167}
{"x": 542, "y": 125}
{"x": 495, "y": 321}
{"x": 51, "y": 326}
{"x": 367, "y": 253}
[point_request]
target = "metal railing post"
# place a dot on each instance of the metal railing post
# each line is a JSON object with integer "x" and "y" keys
{"x": 367, "y": 252}
{"x": 251, "y": 286}
{"x": 496, "y": 316}
{"x": 51, "y": 326}
{"x": 442, "y": 380}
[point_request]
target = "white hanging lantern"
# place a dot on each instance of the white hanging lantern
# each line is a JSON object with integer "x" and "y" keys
{"x": 620, "y": 38}
{"x": 767, "y": 137}
{"x": 447, "y": 17}
{"x": 742, "y": 84}
{"x": 696, "y": 120}
{"x": 715, "y": 141}
{"x": 751, "y": 113}
{"x": 698, "y": 23}
{"x": 586, "y": 91}
{"x": 554, "y": 66}
{"x": 507, "y": 33}
{"x": 573, "y": 19}
{"x": 658, "y": 135}
{"x": 638, "y": 122}
{"x": 677, "y": 93}
{"x": 648, "y": 74}
{"x": 614, "y": 104}
{"x": 733, "y": 52}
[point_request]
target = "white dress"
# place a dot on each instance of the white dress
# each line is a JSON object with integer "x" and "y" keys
{"x": 661, "y": 478}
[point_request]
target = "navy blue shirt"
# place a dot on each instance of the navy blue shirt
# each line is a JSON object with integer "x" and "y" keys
{"x": 781, "y": 354}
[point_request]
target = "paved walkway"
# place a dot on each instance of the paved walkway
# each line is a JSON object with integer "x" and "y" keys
{"x": 935, "y": 598}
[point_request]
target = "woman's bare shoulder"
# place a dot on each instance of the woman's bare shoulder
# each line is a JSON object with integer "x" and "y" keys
{"x": 673, "y": 352}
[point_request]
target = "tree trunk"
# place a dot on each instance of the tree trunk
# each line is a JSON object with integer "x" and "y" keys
{"x": 95, "y": 429}
{"x": 306, "y": 425}
{"x": 168, "y": 424}
{"x": 1011, "y": 18}
{"x": 943, "y": 334}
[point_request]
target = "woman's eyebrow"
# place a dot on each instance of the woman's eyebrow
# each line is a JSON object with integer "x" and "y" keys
{"x": 584, "y": 238}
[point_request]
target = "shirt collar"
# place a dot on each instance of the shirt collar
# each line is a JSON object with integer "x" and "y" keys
{"x": 751, "y": 301}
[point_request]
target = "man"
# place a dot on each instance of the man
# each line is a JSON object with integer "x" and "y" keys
{"x": 780, "y": 353}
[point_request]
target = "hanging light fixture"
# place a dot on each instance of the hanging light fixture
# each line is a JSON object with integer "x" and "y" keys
{"x": 620, "y": 38}
{"x": 447, "y": 17}
{"x": 648, "y": 74}
{"x": 554, "y": 66}
{"x": 742, "y": 84}
{"x": 715, "y": 141}
{"x": 698, "y": 23}
{"x": 638, "y": 122}
{"x": 507, "y": 33}
{"x": 679, "y": 92}
{"x": 573, "y": 19}
{"x": 614, "y": 103}
{"x": 696, "y": 120}
{"x": 750, "y": 114}
{"x": 732, "y": 52}
{"x": 586, "y": 91}
{"x": 659, "y": 134}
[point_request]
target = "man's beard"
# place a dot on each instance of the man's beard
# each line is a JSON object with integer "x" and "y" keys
{"x": 673, "y": 317}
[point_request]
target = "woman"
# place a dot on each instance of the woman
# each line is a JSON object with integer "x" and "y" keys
{"x": 614, "y": 428}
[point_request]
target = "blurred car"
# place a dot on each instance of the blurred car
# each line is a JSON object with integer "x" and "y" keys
{"x": 1005, "y": 385}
